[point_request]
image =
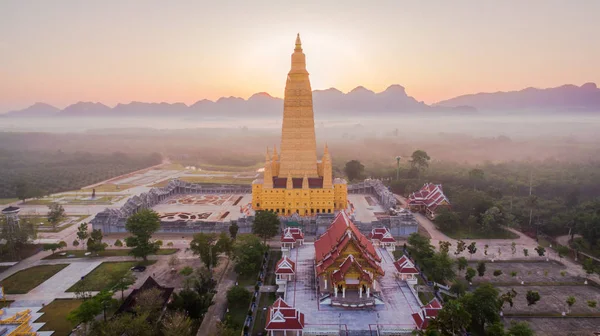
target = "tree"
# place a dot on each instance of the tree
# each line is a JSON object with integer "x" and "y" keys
{"x": 481, "y": 268}
{"x": 56, "y": 214}
{"x": 532, "y": 203}
{"x": 495, "y": 329}
{"x": 485, "y": 249}
{"x": 89, "y": 309}
{"x": 508, "y": 297}
{"x": 451, "y": 319}
{"x": 470, "y": 274}
{"x": 354, "y": 170}
{"x": 525, "y": 252}
{"x": 248, "y": 253}
{"x": 562, "y": 251}
{"x": 462, "y": 263}
{"x": 233, "y": 230}
{"x": 16, "y": 237}
{"x": 459, "y": 288}
{"x": 173, "y": 261}
{"x": 203, "y": 245}
{"x": 238, "y": 296}
{"x": 520, "y": 329}
{"x": 123, "y": 282}
{"x": 476, "y": 175}
{"x": 224, "y": 244}
{"x": 447, "y": 220}
{"x": 266, "y": 224}
{"x": 532, "y": 297}
{"x": 195, "y": 299}
{"x": 420, "y": 248}
{"x": 82, "y": 232}
{"x": 472, "y": 249}
{"x": 118, "y": 243}
{"x": 445, "y": 246}
{"x": 513, "y": 248}
{"x": 483, "y": 305}
{"x": 570, "y": 302}
{"x": 591, "y": 303}
{"x": 22, "y": 190}
{"x": 540, "y": 251}
{"x": 149, "y": 302}
{"x": 460, "y": 247}
{"x": 94, "y": 243}
{"x": 588, "y": 266}
{"x": 51, "y": 247}
{"x": 419, "y": 161}
{"x": 75, "y": 243}
{"x": 176, "y": 323}
{"x": 142, "y": 226}
{"x": 441, "y": 268}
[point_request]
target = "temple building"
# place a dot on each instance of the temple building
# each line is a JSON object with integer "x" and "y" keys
{"x": 347, "y": 264}
{"x": 283, "y": 320}
{"x": 429, "y": 199}
{"x": 295, "y": 181}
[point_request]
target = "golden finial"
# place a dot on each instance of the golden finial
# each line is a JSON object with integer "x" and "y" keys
{"x": 298, "y": 42}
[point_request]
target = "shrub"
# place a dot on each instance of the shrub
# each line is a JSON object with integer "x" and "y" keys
{"x": 186, "y": 271}
{"x": 170, "y": 244}
{"x": 513, "y": 274}
{"x": 118, "y": 243}
{"x": 497, "y": 272}
{"x": 591, "y": 303}
{"x": 563, "y": 273}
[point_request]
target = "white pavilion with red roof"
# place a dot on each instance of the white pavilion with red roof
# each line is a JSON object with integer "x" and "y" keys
{"x": 291, "y": 237}
{"x": 406, "y": 270}
{"x": 427, "y": 313}
{"x": 347, "y": 264}
{"x": 383, "y": 237}
{"x": 283, "y": 320}
{"x": 428, "y": 199}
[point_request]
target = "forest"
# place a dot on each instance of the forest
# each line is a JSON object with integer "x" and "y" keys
{"x": 38, "y": 173}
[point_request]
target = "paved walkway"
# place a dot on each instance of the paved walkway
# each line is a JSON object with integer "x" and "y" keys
{"x": 214, "y": 313}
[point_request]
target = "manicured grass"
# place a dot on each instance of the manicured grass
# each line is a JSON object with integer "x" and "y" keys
{"x": 274, "y": 257}
{"x": 105, "y": 276}
{"x": 398, "y": 253}
{"x": 26, "y": 252}
{"x": 55, "y": 316}
{"x": 474, "y": 234}
{"x": 27, "y": 279}
{"x": 108, "y": 187}
{"x": 260, "y": 318}
{"x": 106, "y": 253}
{"x": 7, "y": 200}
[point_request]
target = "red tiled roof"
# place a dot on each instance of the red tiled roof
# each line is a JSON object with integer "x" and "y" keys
{"x": 434, "y": 304}
{"x": 430, "y": 195}
{"x": 338, "y": 275}
{"x": 283, "y": 317}
{"x": 341, "y": 232}
{"x": 419, "y": 321}
{"x": 428, "y": 312}
{"x": 285, "y": 266}
{"x": 382, "y": 234}
{"x": 405, "y": 266}
{"x": 313, "y": 182}
{"x": 290, "y": 235}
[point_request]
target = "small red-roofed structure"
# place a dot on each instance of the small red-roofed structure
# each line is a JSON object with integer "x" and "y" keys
{"x": 429, "y": 199}
{"x": 285, "y": 269}
{"x": 383, "y": 237}
{"x": 427, "y": 313}
{"x": 291, "y": 237}
{"x": 406, "y": 270}
{"x": 283, "y": 320}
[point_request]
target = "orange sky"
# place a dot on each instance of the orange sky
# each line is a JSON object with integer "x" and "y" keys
{"x": 61, "y": 52}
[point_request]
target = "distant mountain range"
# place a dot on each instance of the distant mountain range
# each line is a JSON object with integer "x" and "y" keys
{"x": 332, "y": 102}
{"x": 568, "y": 97}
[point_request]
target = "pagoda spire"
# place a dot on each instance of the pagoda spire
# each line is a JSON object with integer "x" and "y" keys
{"x": 275, "y": 156}
{"x": 268, "y": 156}
{"x": 298, "y": 43}
{"x": 305, "y": 182}
{"x": 289, "y": 183}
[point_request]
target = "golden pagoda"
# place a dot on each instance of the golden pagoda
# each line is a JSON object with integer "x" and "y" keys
{"x": 295, "y": 181}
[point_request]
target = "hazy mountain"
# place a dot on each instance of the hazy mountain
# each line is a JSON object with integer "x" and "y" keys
{"x": 330, "y": 102}
{"x": 562, "y": 98}
{"x": 35, "y": 110}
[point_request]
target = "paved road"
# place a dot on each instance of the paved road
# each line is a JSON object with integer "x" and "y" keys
{"x": 214, "y": 313}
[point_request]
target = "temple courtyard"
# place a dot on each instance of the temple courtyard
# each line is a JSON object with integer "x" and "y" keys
{"x": 203, "y": 207}
{"x": 395, "y": 312}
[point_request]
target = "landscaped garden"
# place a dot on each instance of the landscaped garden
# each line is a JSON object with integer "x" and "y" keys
{"x": 105, "y": 276}
{"x": 105, "y": 253}
{"x": 27, "y": 279}
{"x": 25, "y": 252}
{"x": 55, "y": 316}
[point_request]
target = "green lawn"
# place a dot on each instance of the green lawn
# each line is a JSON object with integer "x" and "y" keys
{"x": 26, "y": 252}
{"x": 474, "y": 234}
{"x": 55, "y": 316}
{"x": 105, "y": 276}
{"x": 398, "y": 253}
{"x": 266, "y": 299}
{"x": 7, "y": 200}
{"x": 106, "y": 253}
{"x": 27, "y": 279}
{"x": 274, "y": 257}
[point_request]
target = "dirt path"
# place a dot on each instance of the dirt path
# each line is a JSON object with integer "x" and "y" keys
{"x": 214, "y": 313}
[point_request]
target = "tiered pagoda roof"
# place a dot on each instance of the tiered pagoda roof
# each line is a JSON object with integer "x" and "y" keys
{"x": 339, "y": 274}
{"x": 427, "y": 312}
{"x": 383, "y": 235}
{"x": 430, "y": 195}
{"x": 341, "y": 232}
{"x": 283, "y": 317}
{"x": 405, "y": 266}
{"x": 291, "y": 235}
{"x": 285, "y": 266}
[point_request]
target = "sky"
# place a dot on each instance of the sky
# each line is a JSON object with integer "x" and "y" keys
{"x": 117, "y": 51}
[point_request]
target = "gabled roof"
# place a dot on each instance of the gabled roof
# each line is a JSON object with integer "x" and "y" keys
{"x": 349, "y": 262}
{"x": 405, "y": 266}
{"x": 427, "y": 313}
{"x": 291, "y": 235}
{"x": 283, "y": 317}
{"x": 430, "y": 195}
{"x": 383, "y": 235}
{"x": 285, "y": 266}
{"x": 340, "y": 233}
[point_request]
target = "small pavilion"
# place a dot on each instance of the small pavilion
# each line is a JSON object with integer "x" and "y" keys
{"x": 290, "y": 238}
{"x": 406, "y": 270}
{"x": 383, "y": 237}
{"x": 429, "y": 199}
{"x": 427, "y": 313}
{"x": 283, "y": 320}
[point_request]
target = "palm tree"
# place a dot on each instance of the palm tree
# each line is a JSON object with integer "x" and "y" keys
{"x": 532, "y": 202}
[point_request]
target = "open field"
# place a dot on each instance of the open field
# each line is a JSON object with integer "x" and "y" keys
{"x": 466, "y": 234}
{"x": 105, "y": 276}
{"x": 55, "y": 316}
{"x": 7, "y": 200}
{"x": 109, "y": 187}
{"x": 553, "y": 300}
{"x": 534, "y": 272}
{"x": 209, "y": 180}
{"x": 559, "y": 326}
{"x": 27, "y": 279}
{"x": 106, "y": 253}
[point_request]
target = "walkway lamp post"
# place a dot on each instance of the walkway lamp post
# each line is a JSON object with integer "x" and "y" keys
{"x": 398, "y": 158}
